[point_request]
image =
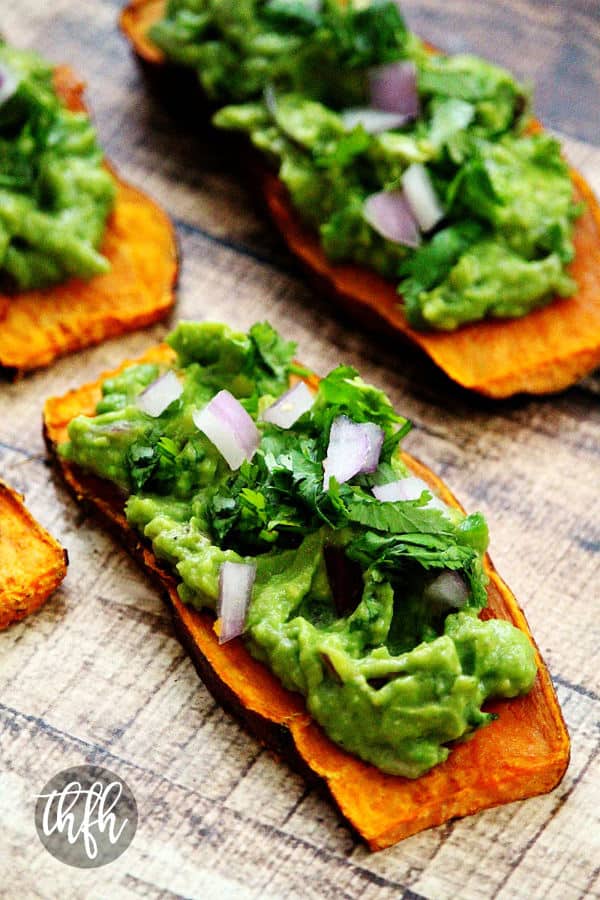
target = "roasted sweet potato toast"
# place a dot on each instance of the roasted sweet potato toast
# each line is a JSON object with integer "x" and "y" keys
{"x": 541, "y": 353}
{"x": 32, "y": 563}
{"x": 522, "y": 754}
{"x": 39, "y": 325}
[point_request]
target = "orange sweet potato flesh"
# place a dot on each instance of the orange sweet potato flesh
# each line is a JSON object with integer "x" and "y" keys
{"x": 541, "y": 353}
{"x": 135, "y": 20}
{"x": 39, "y": 325}
{"x": 525, "y": 752}
{"x": 32, "y": 563}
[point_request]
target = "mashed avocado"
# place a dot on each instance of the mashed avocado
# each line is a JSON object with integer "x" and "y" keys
{"x": 293, "y": 68}
{"x": 55, "y": 194}
{"x": 346, "y": 607}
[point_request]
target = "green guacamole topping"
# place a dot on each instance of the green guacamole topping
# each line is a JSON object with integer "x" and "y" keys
{"x": 345, "y": 607}
{"x": 55, "y": 194}
{"x": 292, "y": 68}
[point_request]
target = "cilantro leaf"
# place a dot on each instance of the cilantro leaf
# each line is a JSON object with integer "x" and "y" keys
{"x": 275, "y": 354}
{"x": 272, "y": 499}
{"x": 383, "y": 474}
{"x": 431, "y": 264}
{"x": 291, "y": 16}
{"x": 152, "y": 460}
{"x": 345, "y": 149}
{"x": 375, "y": 34}
{"x": 401, "y": 517}
{"x": 393, "y": 553}
{"x": 343, "y": 392}
{"x": 472, "y": 189}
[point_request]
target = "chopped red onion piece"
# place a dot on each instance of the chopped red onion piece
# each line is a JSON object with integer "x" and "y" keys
{"x": 228, "y": 426}
{"x": 375, "y": 437}
{"x": 391, "y": 217}
{"x": 290, "y": 406}
{"x": 235, "y": 589}
{"x": 346, "y": 453}
{"x": 421, "y": 196}
{"x": 8, "y": 83}
{"x": 373, "y": 121}
{"x": 160, "y": 394}
{"x": 353, "y": 449}
{"x": 394, "y": 88}
{"x": 448, "y": 589}
{"x": 409, "y": 488}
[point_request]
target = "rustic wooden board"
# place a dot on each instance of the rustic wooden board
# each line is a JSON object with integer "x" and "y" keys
{"x": 98, "y": 676}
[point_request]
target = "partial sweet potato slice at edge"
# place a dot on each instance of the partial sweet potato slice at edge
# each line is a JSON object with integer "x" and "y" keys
{"x": 543, "y": 352}
{"x": 39, "y": 325}
{"x": 32, "y": 562}
{"x": 525, "y": 752}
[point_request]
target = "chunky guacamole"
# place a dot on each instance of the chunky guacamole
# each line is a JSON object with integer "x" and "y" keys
{"x": 350, "y": 604}
{"x": 55, "y": 194}
{"x": 298, "y": 75}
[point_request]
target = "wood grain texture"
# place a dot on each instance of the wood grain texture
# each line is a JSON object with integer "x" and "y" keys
{"x": 98, "y": 674}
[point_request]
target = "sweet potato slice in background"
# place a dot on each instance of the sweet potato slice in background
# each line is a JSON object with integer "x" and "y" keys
{"x": 39, "y": 325}
{"x": 32, "y": 563}
{"x": 541, "y": 353}
{"x": 525, "y": 752}
{"x": 135, "y": 20}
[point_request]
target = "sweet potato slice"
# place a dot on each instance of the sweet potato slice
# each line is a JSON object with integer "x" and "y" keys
{"x": 32, "y": 563}
{"x": 37, "y": 326}
{"x": 525, "y": 752}
{"x": 135, "y": 20}
{"x": 541, "y": 353}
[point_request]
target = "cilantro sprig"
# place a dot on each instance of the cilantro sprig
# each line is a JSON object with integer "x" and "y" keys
{"x": 277, "y": 498}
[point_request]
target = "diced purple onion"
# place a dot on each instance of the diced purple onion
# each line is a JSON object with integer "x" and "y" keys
{"x": 353, "y": 449}
{"x": 235, "y": 590}
{"x": 390, "y": 215}
{"x": 160, "y": 394}
{"x": 286, "y": 411}
{"x": 347, "y": 451}
{"x": 228, "y": 426}
{"x": 409, "y": 488}
{"x": 421, "y": 196}
{"x": 374, "y": 121}
{"x": 448, "y": 589}
{"x": 393, "y": 88}
{"x": 8, "y": 83}
{"x": 375, "y": 437}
